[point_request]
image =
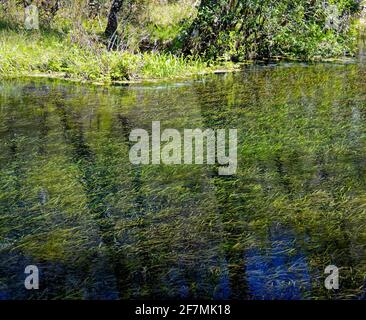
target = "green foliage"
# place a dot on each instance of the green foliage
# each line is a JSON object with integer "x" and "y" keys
{"x": 168, "y": 65}
{"x": 157, "y": 40}
{"x": 248, "y": 29}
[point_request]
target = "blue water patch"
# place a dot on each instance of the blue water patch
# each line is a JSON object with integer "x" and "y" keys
{"x": 4, "y": 295}
{"x": 279, "y": 271}
{"x": 222, "y": 290}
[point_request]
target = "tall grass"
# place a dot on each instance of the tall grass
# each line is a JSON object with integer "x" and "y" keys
{"x": 46, "y": 52}
{"x": 72, "y": 45}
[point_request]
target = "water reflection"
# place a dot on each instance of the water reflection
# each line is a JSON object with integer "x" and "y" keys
{"x": 100, "y": 228}
{"x": 279, "y": 271}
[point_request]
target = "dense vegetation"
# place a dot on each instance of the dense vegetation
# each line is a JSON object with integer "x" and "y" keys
{"x": 104, "y": 40}
{"x": 261, "y": 29}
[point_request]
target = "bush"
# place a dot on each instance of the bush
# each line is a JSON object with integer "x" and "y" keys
{"x": 250, "y": 29}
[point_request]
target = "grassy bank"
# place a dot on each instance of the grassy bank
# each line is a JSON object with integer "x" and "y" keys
{"x": 72, "y": 46}
{"x": 169, "y": 39}
{"x": 30, "y": 53}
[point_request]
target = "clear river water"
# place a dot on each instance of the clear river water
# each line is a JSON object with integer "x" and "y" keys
{"x": 99, "y": 227}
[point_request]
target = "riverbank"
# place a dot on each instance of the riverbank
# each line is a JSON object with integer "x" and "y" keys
{"x": 163, "y": 41}
{"x": 54, "y": 55}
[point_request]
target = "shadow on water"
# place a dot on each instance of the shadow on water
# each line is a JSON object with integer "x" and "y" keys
{"x": 280, "y": 270}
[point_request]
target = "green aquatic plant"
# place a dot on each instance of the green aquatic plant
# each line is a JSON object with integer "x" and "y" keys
{"x": 100, "y": 227}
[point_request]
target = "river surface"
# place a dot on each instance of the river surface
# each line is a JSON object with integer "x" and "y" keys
{"x": 98, "y": 227}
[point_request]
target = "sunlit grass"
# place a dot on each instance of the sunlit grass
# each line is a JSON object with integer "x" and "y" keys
{"x": 24, "y": 53}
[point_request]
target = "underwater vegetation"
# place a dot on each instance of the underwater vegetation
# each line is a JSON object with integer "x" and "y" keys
{"x": 99, "y": 227}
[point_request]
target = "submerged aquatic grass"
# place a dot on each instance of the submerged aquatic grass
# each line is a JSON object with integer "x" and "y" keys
{"x": 99, "y": 227}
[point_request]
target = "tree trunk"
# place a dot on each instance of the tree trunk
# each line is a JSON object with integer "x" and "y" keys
{"x": 113, "y": 18}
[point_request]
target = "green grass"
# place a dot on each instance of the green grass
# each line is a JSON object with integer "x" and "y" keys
{"x": 166, "y": 22}
{"x": 64, "y": 50}
{"x": 30, "y": 53}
